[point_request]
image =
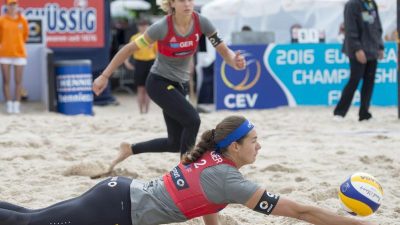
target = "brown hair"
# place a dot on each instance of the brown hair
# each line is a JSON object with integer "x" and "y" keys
{"x": 210, "y": 137}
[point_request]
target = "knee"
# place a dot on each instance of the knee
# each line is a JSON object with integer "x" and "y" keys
{"x": 193, "y": 121}
{"x": 197, "y": 121}
{"x": 174, "y": 144}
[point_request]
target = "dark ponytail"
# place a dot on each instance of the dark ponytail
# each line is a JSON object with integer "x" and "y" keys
{"x": 210, "y": 137}
{"x": 206, "y": 143}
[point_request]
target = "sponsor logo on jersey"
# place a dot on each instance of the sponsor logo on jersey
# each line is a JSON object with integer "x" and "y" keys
{"x": 173, "y": 39}
{"x": 183, "y": 44}
{"x": 178, "y": 179}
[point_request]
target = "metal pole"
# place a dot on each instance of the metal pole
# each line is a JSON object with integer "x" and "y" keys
{"x": 398, "y": 57}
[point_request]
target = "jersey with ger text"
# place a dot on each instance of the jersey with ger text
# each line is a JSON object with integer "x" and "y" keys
{"x": 176, "y": 46}
{"x": 184, "y": 186}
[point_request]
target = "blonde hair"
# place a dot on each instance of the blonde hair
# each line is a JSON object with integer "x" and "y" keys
{"x": 165, "y": 5}
{"x": 210, "y": 137}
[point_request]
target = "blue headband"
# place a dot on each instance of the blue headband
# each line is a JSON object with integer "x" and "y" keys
{"x": 238, "y": 133}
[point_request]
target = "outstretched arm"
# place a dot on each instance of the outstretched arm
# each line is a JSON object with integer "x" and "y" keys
{"x": 234, "y": 59}
{"x": 310, "y": 214}
{"x": 125, "y": 52}
{"x": 128, "y": 64}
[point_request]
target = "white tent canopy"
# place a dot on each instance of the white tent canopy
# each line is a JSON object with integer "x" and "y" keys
{"x": 202, "y": 2}
{"x": 196, "y": 2}
{"x": 121, "y": 8}
{"x": 279, "y": 15}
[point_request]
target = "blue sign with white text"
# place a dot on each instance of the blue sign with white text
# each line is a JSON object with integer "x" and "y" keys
{"x": 297, "y": 74}
{"x": 249, "y": 88}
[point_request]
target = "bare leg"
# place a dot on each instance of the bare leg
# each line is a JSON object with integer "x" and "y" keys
{"x": 5, "y": 70}
{"x": 18, "y": 82}
{"x": 124, "y": 152}
{"x": 146, "y": 101}
{"x": 192, "y": 91}
{"x": 141, "y": 99}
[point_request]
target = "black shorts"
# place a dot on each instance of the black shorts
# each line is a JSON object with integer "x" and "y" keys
{"x": 142, "y": 70}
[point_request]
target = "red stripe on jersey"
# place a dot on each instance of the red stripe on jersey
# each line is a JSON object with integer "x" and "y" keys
{"x": 177, "y": 46}
{"x": 184, "y": 186}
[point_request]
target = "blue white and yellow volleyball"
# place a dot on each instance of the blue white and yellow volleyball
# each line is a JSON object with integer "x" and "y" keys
{"x": 361, "y": 194}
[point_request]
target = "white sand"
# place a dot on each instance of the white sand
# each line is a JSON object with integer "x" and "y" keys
{"x": 305, "y": 155}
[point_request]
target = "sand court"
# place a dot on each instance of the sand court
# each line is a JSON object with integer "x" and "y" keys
{"x": 47, "y": 157}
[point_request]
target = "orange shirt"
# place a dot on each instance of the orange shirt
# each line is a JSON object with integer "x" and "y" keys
{"x": 13, "y": 35}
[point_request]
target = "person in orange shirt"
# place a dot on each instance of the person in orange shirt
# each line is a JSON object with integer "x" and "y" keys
{"x": 143, "y": 60}
{"x": 14, "y": 33}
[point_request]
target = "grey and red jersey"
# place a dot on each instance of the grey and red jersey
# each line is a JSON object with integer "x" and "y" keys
{"x": 222, "y": 184}
{"x": 177, "y": 68}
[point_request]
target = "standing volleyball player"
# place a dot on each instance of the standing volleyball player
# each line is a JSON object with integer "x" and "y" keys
{"x": 177, "y": 36}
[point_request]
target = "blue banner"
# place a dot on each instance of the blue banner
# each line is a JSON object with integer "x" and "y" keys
{"x": 249, "y": 88}
{"x": 297, "y": 74}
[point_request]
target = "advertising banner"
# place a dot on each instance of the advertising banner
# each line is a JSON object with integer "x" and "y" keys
{"x": 297, "y": 74}
{"x": 70, "y": 23}
{"x": 249, "y": 88}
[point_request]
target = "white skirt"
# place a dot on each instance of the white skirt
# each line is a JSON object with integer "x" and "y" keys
{"x": 13, "y": 61}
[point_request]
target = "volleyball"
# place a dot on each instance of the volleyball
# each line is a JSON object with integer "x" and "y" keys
{"x": 361, "y": 194}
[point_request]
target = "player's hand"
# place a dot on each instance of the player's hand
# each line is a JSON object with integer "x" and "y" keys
{"x": 129, "y": 65}
{"x": 360, "y": 56}
{"x": 381, "y": 54}
{"x": 367, "y": 223}
{"x": 99, "y": 84}
{"x": 240, "y": 61}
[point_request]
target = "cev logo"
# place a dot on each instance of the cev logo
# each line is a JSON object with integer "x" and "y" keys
{"x": 245, "y": 84}
{"x": 34, "y": 28}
